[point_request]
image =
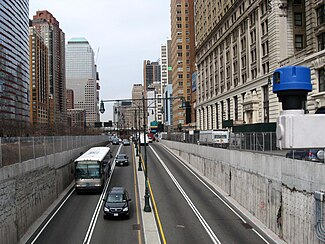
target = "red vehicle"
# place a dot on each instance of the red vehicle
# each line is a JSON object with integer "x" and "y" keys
{"x": 151, "y": 136}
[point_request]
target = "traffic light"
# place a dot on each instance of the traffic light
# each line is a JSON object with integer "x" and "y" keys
{"x": 108, "y": 124}
{"x": 98, "y": 124}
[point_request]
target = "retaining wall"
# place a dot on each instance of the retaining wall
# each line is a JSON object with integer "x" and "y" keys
{"x": 277, "y": 190}
{"x": 27, "y": 189}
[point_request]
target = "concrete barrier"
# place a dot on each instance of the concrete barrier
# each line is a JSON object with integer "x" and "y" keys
{"x": 277, "y": 190}
{"x": 27, "y": 189}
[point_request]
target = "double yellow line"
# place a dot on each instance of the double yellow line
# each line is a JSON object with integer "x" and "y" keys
{"x": 161, "y": 232}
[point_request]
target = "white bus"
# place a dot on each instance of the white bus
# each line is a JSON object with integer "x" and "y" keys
{"x": 219, "y": 138}
{"x": 92, "y": 169}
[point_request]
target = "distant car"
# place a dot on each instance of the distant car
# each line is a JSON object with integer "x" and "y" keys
{"x": 115, "y": 141}
{"x": 121, "y": 159}
{"x": 306, "y": 154}
{"x": 117, "y": 203}
{"x": 126, "y": 142}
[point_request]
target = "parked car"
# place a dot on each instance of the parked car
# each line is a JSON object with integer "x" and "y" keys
{"x": 117, "y": 203}
{"x": 121, "y": 159}
{"x": 306, "y": 154}
{"x": 126, "y": 142}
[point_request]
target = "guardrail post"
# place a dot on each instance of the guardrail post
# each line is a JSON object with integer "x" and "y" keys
{"x": 19, "y": 150}
{"x": 34, "y": 156}
{"x": 0, "y": 152}
{"x": 271, "y": 141}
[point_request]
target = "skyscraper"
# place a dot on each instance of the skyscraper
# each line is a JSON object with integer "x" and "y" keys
{"x": 39, "y": 79}
{"x": 54, "y": 38}
{"x": 82, "y": 77}
{"x": 182, "y": 57}
{"x": 14, "y": 62}
{"x": 151, "y": 73}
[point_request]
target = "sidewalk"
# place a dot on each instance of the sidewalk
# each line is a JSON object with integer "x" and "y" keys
{"x": 150, "y": 230}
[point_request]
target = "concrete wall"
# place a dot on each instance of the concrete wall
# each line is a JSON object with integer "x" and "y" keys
{"x": 276, "y": 190}
{"x": 27, "y": 189}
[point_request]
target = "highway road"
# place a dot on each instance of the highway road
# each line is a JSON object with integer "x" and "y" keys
{"x": 188, "y": 209}
{"x": 78, "y": 222}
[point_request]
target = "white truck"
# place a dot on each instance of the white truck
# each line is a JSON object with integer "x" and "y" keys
{"x": 218, "y": 138}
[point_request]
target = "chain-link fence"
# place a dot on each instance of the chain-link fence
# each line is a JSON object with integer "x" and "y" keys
{"x": 254, "y": 141}
{"x": 19, "y": 149}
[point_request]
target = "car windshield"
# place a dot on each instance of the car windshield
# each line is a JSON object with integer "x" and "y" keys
{"x": 115, "y": 198}
{"x": 121, "y": 156}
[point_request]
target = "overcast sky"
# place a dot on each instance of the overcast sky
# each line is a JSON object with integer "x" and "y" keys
{"x": 124, "y": 32}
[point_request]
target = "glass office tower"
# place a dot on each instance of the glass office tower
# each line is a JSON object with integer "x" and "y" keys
{"x": 81, "y": 77}
{"x": 14, "y": 61}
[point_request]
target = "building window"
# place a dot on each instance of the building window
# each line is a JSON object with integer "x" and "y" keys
{"x": 321, "y": 42}
{"x": 299, "y": 41}
{"x": 217, "y": 116}
{"x": 321, "y": 79}
{"x": 222, "y": 111}
{"x": 298, "y": 19}
{"x": 243, "y": 62}
{"x": 266, "y": 103}
{"x": 236, "y": 107}
{"x": 320, "y": 11}
{"x": 228, "y": 108}
{"x": 243, "y": 100}
{"x": 253, "y": 55}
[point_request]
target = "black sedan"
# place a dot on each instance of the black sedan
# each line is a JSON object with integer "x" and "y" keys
{"x": 121, "y": 159}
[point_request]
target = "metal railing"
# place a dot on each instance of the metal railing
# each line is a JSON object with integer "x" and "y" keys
{"x": 19, "y": 149}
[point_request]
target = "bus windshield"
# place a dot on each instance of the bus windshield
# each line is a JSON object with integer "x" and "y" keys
{"x": 88, "y": 171}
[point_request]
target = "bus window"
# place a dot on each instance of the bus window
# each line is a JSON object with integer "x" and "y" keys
{"x": 81, "y": 171}
{"x": 94, "y": 171}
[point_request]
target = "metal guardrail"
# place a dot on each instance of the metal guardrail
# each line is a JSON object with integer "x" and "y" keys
{"x": 19, "y": 149}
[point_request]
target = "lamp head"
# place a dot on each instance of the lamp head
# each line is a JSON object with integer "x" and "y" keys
{"x": 102, "y": 107}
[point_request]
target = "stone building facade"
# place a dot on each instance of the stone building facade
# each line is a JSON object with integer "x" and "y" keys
{"x": 240, "y": 44}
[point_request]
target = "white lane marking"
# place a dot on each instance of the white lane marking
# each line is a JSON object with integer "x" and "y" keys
{"x": 205, "y": 225}
{"x": 40, "y": 232}
{"x": 99, "y": 206}
{"x": 260, "y": 236}
{"x": 192, "y": 172}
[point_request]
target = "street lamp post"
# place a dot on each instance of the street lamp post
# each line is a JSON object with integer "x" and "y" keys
{"x": 139, "y": 145}
{"x": 135, "y": 126}
{"x": 147, "y": 207}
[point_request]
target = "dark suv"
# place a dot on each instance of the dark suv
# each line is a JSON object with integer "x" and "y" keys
{"x": 117, "y": 203}
{"x": 306, "y": 154}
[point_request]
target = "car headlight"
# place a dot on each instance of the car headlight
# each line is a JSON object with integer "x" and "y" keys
{"x": 106, "y": 209}
{"x": 126, "y": 209}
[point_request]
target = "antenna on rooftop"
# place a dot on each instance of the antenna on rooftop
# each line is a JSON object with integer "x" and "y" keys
{"x": 97, "y": 55}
